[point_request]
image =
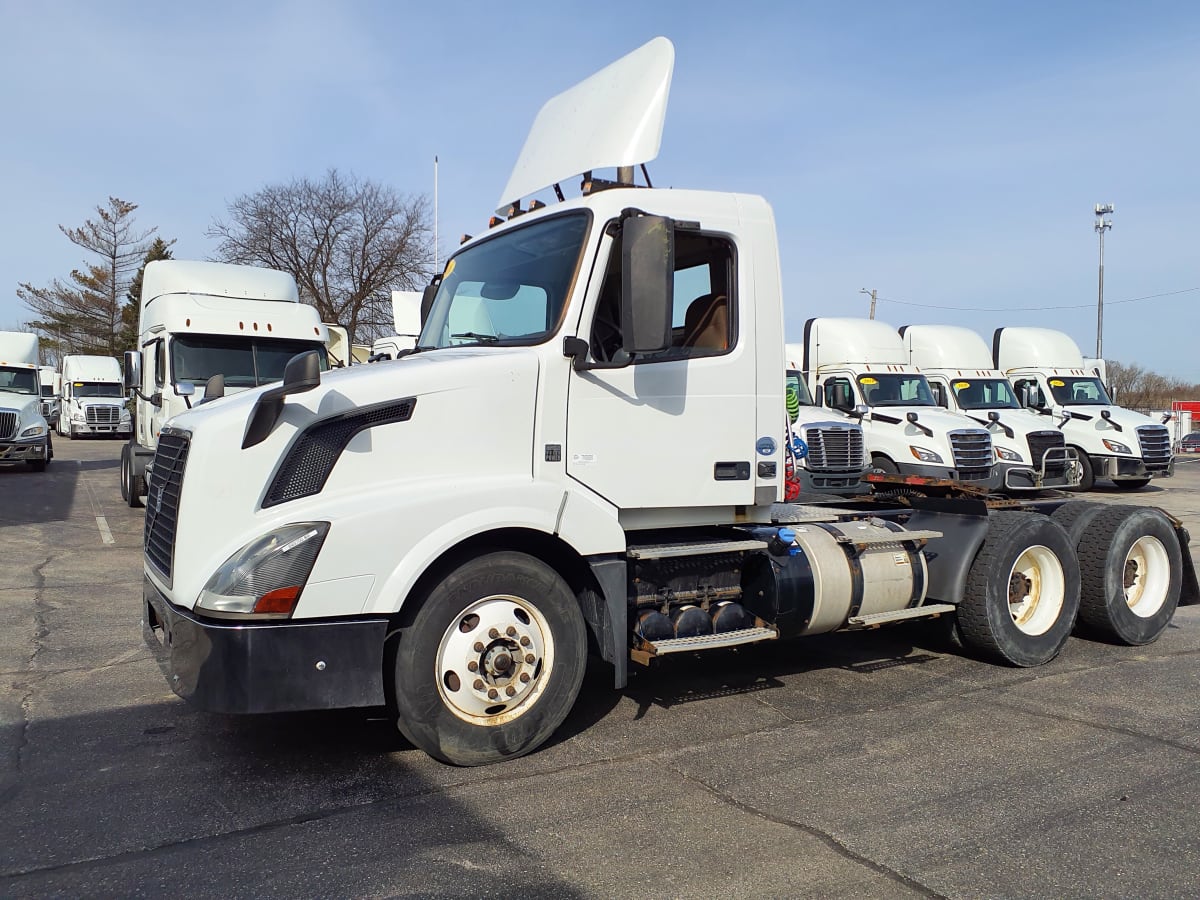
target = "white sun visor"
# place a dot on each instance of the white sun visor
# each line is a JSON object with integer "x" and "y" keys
{"x": 611, "y": 119}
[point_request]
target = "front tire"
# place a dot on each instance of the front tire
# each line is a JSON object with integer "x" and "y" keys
{"x": 1132, "y": 575}
{"x": 1131, "y": 484}
{"x": 1022, "y": 591}
{"x": 492, "y": 661}
{"x": 884, "y": 465}
{"x": 1087, "y": 473}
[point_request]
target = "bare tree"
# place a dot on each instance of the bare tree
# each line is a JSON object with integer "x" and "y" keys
{"x": 348, "y": 243}
{"x": 1135, "y": 387}
{"x": 83, "y": 315}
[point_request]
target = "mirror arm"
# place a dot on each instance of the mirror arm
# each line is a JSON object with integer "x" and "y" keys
{"x": 576, "y": 349}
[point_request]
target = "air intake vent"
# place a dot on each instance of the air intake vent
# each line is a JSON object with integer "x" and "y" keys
{"x": 1039, "y": 443}
{"x": 8, "y": 425}
{"x": 834, "y": 448}
{"x": 1155, "y": 444}
{"x": 314, "y": 453}
{"x": 972, "y": 453}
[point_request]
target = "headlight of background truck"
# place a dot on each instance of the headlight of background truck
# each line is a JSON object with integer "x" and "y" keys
{"x": 1116, "y": 446}
{"x": 264, "y": 579}
{"x": 1007, "y": 455}
{"x": 925, "y": 455}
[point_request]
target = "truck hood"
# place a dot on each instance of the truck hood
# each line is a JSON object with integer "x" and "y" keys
{"x": 932, "y": 417}
{"x": 1095, "y": 420}
{"x": 231, "y": 496}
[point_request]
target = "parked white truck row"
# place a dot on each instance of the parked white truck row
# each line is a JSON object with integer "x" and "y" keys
{"x": 340, "y": 540}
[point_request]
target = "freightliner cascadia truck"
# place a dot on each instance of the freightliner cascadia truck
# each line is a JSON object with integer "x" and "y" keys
{"x": 340, "y": 540}
{"x": 24, "y": 432}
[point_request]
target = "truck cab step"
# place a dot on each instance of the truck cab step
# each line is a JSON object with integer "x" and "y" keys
{"x": 701, "y": 548}
{"x": 928, "y": 611}
{"x": 709, "y": 641}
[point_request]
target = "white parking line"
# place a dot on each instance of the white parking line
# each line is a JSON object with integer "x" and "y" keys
{"x": 105, "y": 534}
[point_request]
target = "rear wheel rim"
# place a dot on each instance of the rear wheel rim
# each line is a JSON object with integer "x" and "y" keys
{"x": 1146, "y": 576}
{"x": 1036, "y": 590}
{"x": 494, "y": 660}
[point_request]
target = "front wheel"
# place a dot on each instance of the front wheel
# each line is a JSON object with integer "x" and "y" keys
{"x": 1022, "y": 591}
{"x": 1132, "y": 484}
{"x": 1132, "y": 574}
{"x": 1087, "y": 473}
{"x": 492, "y": 661}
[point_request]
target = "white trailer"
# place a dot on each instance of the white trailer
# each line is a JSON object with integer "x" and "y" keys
{"x": 24, "y": 433}
{"x": 93, "y": 397}
{"x": 1051, "y": 378}
{"x": 340, "y": 540}
{"x": 200, "y": 320}
{"x": 863, "y": 362}
{"x": 1031, "y": 454}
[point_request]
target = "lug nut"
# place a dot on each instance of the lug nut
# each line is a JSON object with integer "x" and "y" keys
{"x": 510, "y": 631}
{"x": 493, "y": 633}
{"x": 525, "y": 642}
{"x": 473, "y": 666}
{"x": 493, "y": 694}
{"x": 478, "y": 685}
{"x": 524, "y": 678}
{"x": 511, "y": 691}
{"x": 479, "y": 646}
{"x": 529, "y": 658}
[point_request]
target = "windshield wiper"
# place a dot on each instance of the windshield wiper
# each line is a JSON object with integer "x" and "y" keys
{"x": 476, "y": 336}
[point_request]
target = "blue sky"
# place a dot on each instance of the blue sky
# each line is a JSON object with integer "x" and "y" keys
{"x": 946, "y": 154}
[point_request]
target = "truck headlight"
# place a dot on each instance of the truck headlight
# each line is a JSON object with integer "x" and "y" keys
{"x": 925, "y": 455}
{"x": 264, "y": 579}
{"x": 33, "y": 431}
{"x": 1116, "y": 446}
{"x": 1007, "y": 455}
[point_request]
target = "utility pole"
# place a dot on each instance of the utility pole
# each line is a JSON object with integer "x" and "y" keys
{"x": 435, "y": 216}
{"x": 871, "y": 293}
{"x": 1102, "y": 225}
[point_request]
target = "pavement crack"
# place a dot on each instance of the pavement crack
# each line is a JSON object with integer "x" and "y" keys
{"x": 812, "y": 831}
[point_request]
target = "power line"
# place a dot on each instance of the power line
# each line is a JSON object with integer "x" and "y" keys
{"x": 1035, "y": 308}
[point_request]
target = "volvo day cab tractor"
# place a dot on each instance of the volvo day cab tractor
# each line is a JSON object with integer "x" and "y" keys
{"x": 51, "y": 386}
{"x": 199, "y": 320}
{"x": 862, "y": 362}
{"x": 24, "y": 433}
{"x": 1051, "y": 378}
{"x": 1031, "y": 455}
{"x": 825, "y": 449}
{"x": 339, "y": 540}
{"x": 93, "y": 398}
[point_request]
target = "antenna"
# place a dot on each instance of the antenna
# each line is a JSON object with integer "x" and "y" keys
{"x": 435, "y": 215}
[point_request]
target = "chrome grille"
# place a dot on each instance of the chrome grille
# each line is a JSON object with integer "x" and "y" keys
{"x": 8, "y": 425}
{"x": 834, "y": 448}
{"x": 972, "y": 453}
{"x": 103, "y": 415}
{"x": 1040, "y": 442}
{"x": 165, "y": 480}
{"x": 1155, "y": 444}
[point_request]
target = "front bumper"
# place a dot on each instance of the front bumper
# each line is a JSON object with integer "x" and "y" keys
{"x": 24, "y": 451}
{"x": 840, "y": 483}
{"x": 276, "y": 666}
{"x": 993, "y": 481}
{"x": 1121, "y": 467}
{"x": 82, "y": 428}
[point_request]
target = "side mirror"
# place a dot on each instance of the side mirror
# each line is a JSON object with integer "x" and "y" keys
{"x": 911, "y": 417}
{"x": 647, "y": 282}
{"x": 156, "y": 399}
{"x": 133, "y": 370}
{"x": 214, "y": 388}
{"x": 302, "y": 373}
{"x": 185, "y": 389}
{"x": 427, "y": 296}
{"x": 993, "y": 416}
{"x": 860, "y": 411}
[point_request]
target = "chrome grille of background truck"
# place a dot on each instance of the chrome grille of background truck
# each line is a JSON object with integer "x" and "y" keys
{"x": 1155, "y": 444}
{"x": 834, "y": 449}
{"x": 973, "y": 456}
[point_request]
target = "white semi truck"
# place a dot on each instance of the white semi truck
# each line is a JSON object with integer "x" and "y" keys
{"x": 93, "y": 397}
{"x": 862, "y": 362}
{"x": 340, "y": 540}
{"x": 199, "y": 320}
{"x": 24, "y": 433}
{"x": 825, "y": 450}
{"x": 51, "y": 387}
{"x": 1031, "y": 454}
{"x": 1051, "y": 378}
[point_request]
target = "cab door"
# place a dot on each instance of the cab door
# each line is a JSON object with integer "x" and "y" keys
{"x": 677, "y": 427}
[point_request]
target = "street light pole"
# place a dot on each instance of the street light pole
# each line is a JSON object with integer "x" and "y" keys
{"x": 871, "y": 293}
{"x": 1102, "y": 225}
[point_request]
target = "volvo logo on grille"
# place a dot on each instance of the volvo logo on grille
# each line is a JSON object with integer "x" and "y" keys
{"x": 158, "y": 500}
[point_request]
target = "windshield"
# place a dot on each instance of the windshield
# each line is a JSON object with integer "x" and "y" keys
{"x": 245, "y": 362}
{"x": 19, "y": 381}
{"x": 797, "y": 394}
{"x": 47, "y": 390}
{"x": 511, "y": 289}
{"x": 984, "y": 393}
{"x": 1079, "y": 392}
{"x": 96, "y": 389}
{"x": 895, "y": 390}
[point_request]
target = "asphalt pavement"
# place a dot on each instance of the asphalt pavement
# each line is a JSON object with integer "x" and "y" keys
{"x": 882, "y": 764}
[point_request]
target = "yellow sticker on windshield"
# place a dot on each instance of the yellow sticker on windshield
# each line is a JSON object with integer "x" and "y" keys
{"x": 867, "y": 380}
{"x": 959, "y": 385}
{"x": 1055, "y": 382}
{"x": 449, "y": 269}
